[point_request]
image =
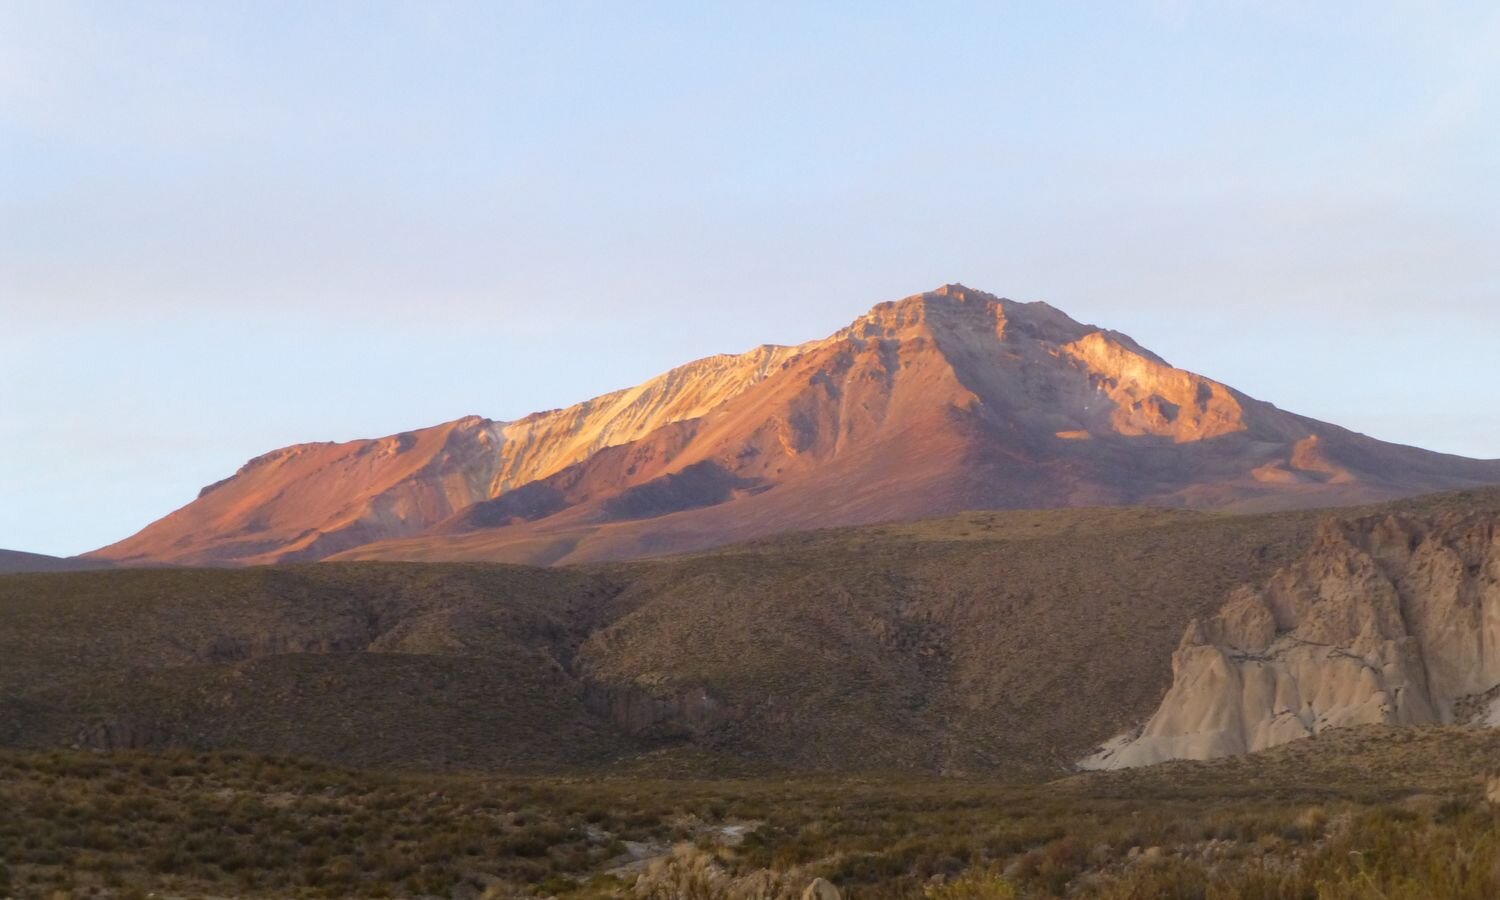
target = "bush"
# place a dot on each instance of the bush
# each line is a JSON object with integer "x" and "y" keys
{"x": 986, "y": 885}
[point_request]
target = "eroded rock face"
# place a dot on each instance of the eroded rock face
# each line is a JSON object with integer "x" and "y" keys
{"x": 656, "y": 714}
{"x": 1153, "y": 398}
{"x": 123, "y": 733}
{"x": 1385, "y": 620}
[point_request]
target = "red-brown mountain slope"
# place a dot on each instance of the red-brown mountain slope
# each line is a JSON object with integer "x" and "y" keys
{"x": 943, "y": 401}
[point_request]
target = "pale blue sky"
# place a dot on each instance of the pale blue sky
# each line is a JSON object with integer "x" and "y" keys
{"x": 226, "y": 227}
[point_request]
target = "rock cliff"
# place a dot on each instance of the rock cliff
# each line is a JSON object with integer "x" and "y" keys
{"x": 1390, "y": 619}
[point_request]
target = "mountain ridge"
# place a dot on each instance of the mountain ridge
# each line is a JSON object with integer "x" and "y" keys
{"x": 948, "y": 400}
{"x": 23, "y": 561}
{"x": 1007, "y": 643}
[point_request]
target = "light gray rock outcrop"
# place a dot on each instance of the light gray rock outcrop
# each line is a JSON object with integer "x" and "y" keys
{"x": 1385, "y": 620}
{"x": 821, "y": 889}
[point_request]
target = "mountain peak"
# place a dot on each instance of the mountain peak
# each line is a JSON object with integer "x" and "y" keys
{"x": 961, "y": 292}
{"x": 949, "y": 296}
{"x": 954, "y": 310}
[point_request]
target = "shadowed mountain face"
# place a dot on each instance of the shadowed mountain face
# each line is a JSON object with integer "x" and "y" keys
{"x": 941, "y": 402}
{"x": 20, "y": 561}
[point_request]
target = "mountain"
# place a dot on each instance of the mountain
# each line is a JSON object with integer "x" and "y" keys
{"x": 20, "y": 561}
{"x": 1390, "y": 619}
{"x": 944, "y": 401}
{"x": 1006, "y": 643}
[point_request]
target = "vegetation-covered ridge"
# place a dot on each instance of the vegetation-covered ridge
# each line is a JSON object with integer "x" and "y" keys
{"x": 1003, "y": 645}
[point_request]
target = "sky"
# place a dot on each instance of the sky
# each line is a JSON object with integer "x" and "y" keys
{"x": 227, "y": 227}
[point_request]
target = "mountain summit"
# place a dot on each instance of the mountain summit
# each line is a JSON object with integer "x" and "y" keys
{"x": 949, "y": 400}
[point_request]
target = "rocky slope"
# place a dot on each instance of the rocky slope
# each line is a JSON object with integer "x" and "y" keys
{"x": 311, "y": 500}
{"x": 1388, "y": 619}
{"x": 949, "y": 400}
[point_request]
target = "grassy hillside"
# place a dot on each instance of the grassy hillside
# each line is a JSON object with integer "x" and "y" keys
{"x": 995, "y": 644}
{"x": 1341, "y": 817}
{"x": 427, "y": 666}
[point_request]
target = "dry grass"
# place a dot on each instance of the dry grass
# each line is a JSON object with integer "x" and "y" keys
{"x": 239, "y": 825}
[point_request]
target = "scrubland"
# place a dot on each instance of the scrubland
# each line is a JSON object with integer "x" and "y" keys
{"x": 1364, "y": 813}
